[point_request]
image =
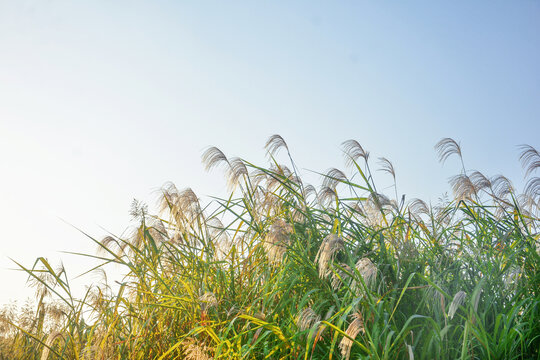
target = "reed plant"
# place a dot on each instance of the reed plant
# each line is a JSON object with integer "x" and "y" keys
{"x": 281, "y": 269}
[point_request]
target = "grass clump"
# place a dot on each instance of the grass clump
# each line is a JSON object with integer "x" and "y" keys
{"x": 281, "y": 270}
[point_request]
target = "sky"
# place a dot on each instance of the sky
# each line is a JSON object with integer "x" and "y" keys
{"x": 105, "y": 101}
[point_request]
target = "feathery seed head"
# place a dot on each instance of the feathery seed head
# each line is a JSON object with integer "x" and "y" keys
{"x": 307, "y": 318}
{"x": 236, "y": 172}
{"x": 339, "y": 276}
{"x": 532, "y": 189}
{"x": 502, "y": 186}
{"x": 333, "y": 177}
{"x": 138, "y": 209}
{"x": 353, "y": 151}
{"x": 208, "y": 300}
{"x": 277, "y": 240}
{"x": 213, "y": 157}
{"x": 457, "y": 301}
{"x": 479, "y": 181}
{"x": 462, "y": 187}
{"x": 183, "y": 206}
{"x": 194, "y": 350}
{"x": 355, "y": 327}
{"x": 42, "y": 281}
{"x": 367, "y": 270}
{"x": 49, "y": 343}
{"x": 109, "y": 243}
{"x": 387, "y": 167}
{"x": 327, "y": 196}
{"x": 380, "y": 201}
{"x": 157, "y": 231}
{"x": 331, "y": 245}
{"x": 309, "y": 190}
{"x": 57, "y": 311}
{"x": 220, "y": 238}
{"x": 257, "y": 177}
{"x": 274, "y": 143}
{"x": 276, "y": 175}
{"x": 419, "y": 206}
{"x": 530, "y": 159}
{"x": 447, "y": 147}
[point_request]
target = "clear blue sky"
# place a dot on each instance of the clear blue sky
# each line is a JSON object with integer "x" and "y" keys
{"x": 104, "y": 101}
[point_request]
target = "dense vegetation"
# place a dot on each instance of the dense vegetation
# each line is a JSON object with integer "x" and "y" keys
{"x": 280, "y": 270}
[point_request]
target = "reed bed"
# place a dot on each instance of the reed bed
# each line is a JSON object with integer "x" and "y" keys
{"x": 283, "y": 270}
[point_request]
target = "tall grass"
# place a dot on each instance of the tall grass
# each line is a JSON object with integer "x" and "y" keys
{"x": 281, "y": 270}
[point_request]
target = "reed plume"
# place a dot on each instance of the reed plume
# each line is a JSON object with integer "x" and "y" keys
{"x": 355, "y": 327}
{"x": 277, "y": 240}
{"x": 307, "y": 318}
{"x": 367, "y": 270}
{"x": 447, "y": 147}
{"x": 353, "y": 151}
{"x": 331, "y": 245}
{"x": 457, "y": 301}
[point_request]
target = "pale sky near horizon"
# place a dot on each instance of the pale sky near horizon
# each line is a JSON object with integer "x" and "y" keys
{"x": 104, "y": 101}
